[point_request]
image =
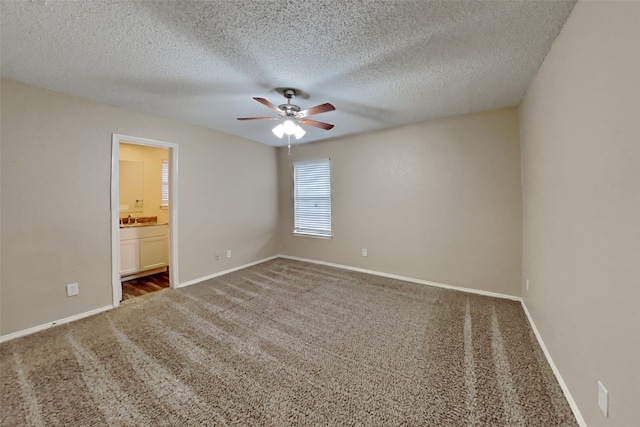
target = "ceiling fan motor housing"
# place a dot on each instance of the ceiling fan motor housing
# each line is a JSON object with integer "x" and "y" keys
{"x": 289, "y": 109}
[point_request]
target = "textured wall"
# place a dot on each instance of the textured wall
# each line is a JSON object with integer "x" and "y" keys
{"x": 581, "y": 184}
{"x": 56, "y": 169}
{"x": 439, "y": 201}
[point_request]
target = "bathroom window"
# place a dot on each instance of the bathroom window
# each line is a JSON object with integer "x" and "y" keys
{"x": 165, "y": 184}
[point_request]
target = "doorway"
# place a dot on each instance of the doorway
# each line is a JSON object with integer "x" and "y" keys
{"x": 144, "y": 224}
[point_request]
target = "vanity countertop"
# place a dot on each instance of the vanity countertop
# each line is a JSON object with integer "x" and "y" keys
{"x": 142, "y": 224}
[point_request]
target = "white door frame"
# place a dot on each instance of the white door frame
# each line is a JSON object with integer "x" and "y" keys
{"x": 115, "y": 209}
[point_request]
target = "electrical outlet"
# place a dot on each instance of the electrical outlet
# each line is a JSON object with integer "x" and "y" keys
{"x": 527, "y": 284}
{"x": 217, "y": 257}
{"x": 228, "y": 253}
{"x": 364, "y": 252}
{"x": 603, "y": 399}
{"x": 72, "y": 289}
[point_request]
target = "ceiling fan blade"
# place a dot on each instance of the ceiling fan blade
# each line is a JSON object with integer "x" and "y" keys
{"x": 258, "y": 118}
{"x": 322, "y": 108}
{"x": 321, "y": 125}
{"x": 267, "y": 104}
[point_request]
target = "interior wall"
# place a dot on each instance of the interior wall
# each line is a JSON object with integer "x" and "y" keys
{"x": 152, "y": 158}
{"x": 581, "y": 185}
{"x": 56, "y": 224}
{"x": 438, "y": 201}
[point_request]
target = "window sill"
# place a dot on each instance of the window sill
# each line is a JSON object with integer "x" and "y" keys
{"x": 313, "y": 236}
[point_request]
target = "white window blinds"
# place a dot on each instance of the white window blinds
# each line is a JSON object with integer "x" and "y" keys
{"x": 165, "y": 183}
{"x": 312, "y": 197}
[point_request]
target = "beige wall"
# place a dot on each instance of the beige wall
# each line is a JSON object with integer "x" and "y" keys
{"x": 56, "y": 168}
{"x": 152, "y": 158}
{"x": 438, "y": 201}
{"x": 581, "y": 185}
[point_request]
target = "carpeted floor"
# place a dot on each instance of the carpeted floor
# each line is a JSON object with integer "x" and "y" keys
{"x": 286, "y": 343}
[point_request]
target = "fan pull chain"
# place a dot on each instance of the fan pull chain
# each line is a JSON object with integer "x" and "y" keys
{"x": 289, "y": 145}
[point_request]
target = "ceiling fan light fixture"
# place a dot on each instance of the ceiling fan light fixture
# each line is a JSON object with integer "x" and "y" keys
{"x": 289, "y": 127}
{"x": 278, "y": 130}
{"x": 299, "y": 133}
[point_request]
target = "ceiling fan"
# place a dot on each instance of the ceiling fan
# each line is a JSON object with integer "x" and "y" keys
{"x": 291, "y": 114}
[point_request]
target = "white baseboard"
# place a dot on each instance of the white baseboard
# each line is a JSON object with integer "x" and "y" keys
{"x": 222, "y": 273}
{"x": 556, "y": 372}
{"x": 143, "y": 274}
{"x": 404, "y": 278}
{"x": 39, "y": 328}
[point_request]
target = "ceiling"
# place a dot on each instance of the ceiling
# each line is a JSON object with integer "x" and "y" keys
{"x": 382, "y": 63}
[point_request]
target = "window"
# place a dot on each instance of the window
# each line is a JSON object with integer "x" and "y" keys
{"x": 165, "y": 183}
{"x": 312, "y": 198}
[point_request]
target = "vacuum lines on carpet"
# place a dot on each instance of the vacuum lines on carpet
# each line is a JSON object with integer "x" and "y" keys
{"x": 287, "y": 343}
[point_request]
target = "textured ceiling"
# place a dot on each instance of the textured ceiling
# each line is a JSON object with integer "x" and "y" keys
{"x": 382, "y": 63}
